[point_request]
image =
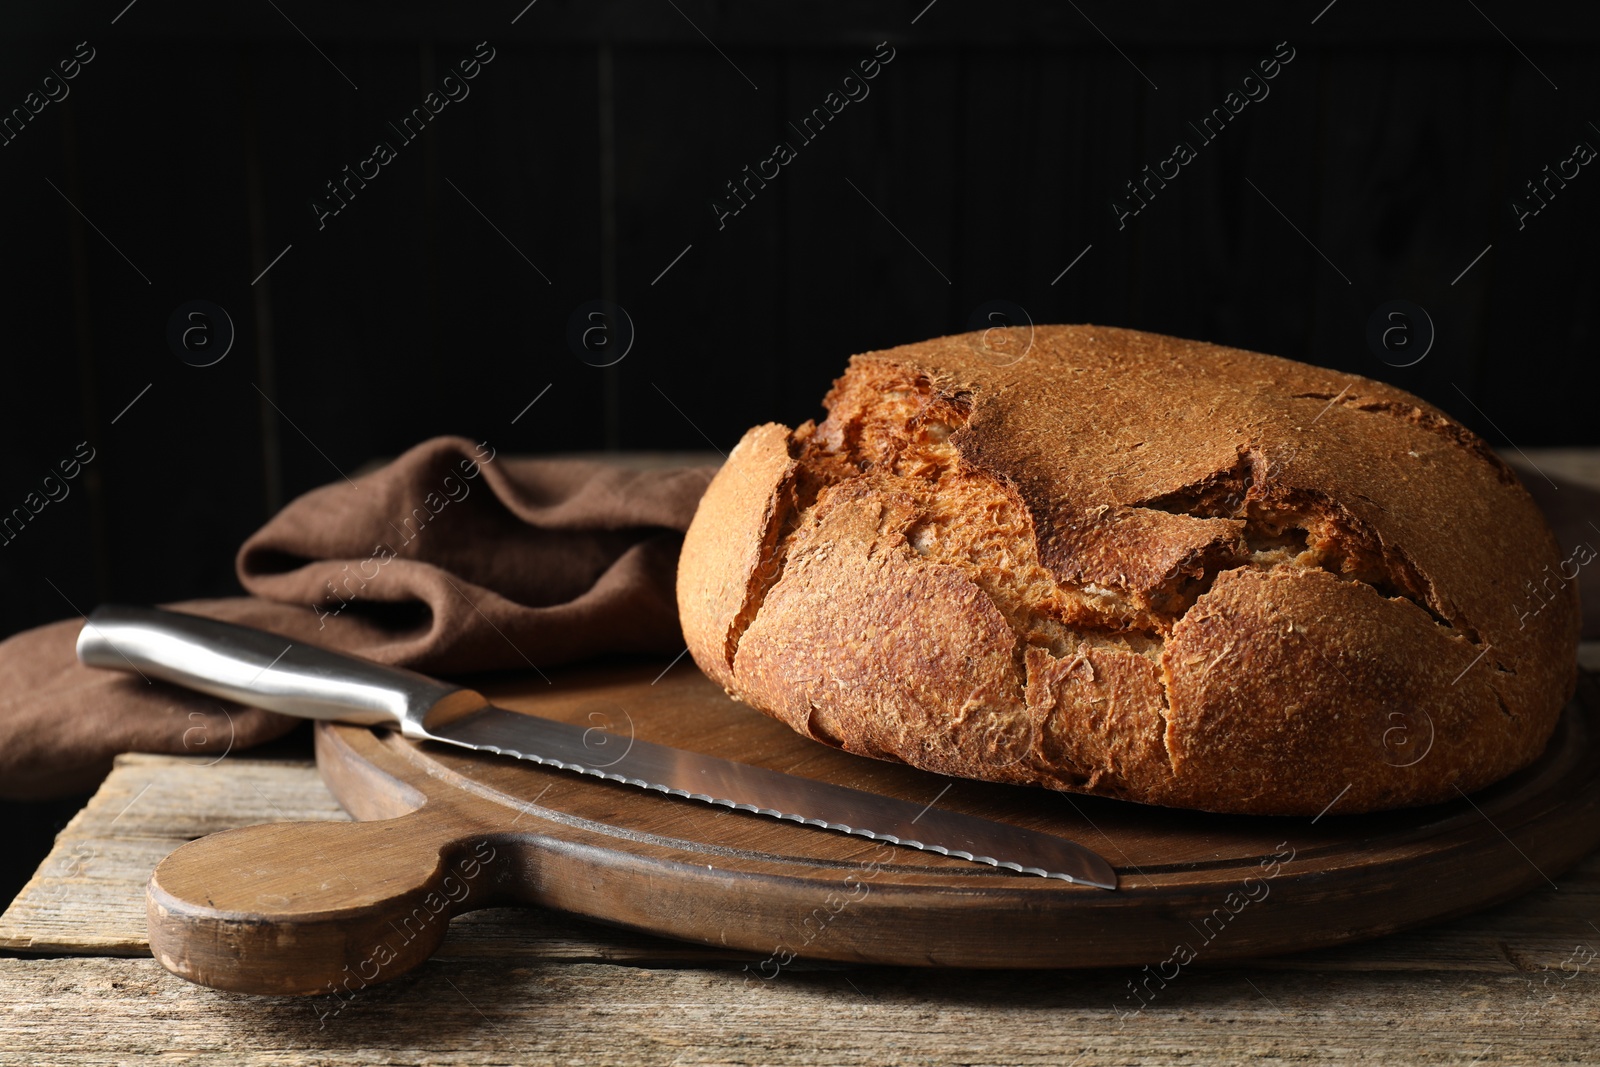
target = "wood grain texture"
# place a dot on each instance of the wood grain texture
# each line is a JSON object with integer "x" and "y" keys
{"x": 525, "y": 985}
{"x": 96, "y": 905}
{"x": 88, "y": 897}
{"x": 313, "y": 908}
{"x": 578, "y": 1013}
{"x": 80, "y": 900}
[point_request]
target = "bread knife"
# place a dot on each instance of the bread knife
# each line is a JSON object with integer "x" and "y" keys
{"x": 265, "y": 670}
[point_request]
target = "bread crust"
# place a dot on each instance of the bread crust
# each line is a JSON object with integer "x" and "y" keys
{"x": 1136, "y": 566}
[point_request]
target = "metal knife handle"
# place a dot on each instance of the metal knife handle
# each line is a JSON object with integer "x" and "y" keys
{"x": 267, "y": 671}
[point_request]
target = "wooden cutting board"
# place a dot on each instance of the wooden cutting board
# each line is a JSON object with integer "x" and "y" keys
{"x": 333, "y": 907}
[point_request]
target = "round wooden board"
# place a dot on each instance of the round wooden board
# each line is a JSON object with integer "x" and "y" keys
{"x": 305, "y": 908}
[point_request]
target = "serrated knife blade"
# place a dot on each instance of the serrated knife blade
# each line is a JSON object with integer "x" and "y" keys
{"x": 268, "y": 671}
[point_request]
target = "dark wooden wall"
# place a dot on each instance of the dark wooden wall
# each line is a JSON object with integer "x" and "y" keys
{"x": 993, "y": 145}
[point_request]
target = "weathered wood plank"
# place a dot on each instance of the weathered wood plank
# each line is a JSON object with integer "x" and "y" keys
{"x": 548, "y": 1011}
{"x": 1516, "y": 984}
{"x": 1580, "y": 465}
{"x": 88, "y": 897}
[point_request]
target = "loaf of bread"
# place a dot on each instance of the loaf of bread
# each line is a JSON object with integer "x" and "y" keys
{"x": 1140, "y": 567}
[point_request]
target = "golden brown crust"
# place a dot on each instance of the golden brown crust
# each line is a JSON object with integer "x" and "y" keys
{"x": 729, "y": 547}
{"x": 1137, "y": 566}
{"x": 851, "y": 611}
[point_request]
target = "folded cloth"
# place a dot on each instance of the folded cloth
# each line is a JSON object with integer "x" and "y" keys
{"x": 447, "y": 560}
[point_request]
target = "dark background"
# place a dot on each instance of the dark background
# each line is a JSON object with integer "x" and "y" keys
{"x": 584, "y": 160}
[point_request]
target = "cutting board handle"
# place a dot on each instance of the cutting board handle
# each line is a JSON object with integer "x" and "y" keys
{"x": 318, "y": 908}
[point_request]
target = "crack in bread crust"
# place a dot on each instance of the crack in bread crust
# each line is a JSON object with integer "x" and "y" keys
{"x": 900, "y": 439}
{"x": 902, "y": 436}
{"x": 1431, "y": 421}
{"x": 1304, "y": 529}
{"x": 769, "y": 567}
{"x": 1144, "y": 591}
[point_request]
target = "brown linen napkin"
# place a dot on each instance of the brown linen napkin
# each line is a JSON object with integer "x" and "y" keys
{"x": 448, "y": 560}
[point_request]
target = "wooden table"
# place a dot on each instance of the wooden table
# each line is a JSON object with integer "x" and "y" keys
{"x": 1519, "y": 983}
{"x": 1516, "y": 984}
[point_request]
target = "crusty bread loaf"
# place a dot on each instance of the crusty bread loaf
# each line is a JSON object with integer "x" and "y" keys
{"x": 1140, "y": 567}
